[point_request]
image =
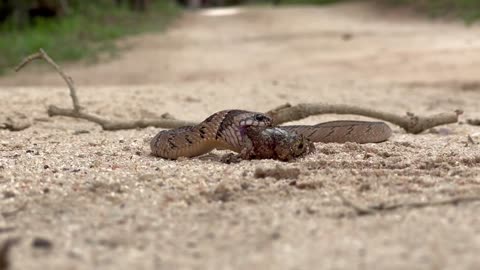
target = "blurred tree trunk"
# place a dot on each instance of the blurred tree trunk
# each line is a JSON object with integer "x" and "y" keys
{"x": 64, "y": 7}
{"x": 23, "y": 12}
{"x": 136, "y": 5}
{"x": 20, "y": 12}
{"x": 194, "y": 3}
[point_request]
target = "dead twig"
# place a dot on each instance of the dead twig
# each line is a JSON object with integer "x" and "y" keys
{"x": 383, "y": 207}
{"x": 411, "y": 123}
{"x": 77, "y": 112}
{"x": 68, "y": 80}
{"x": 473, "y": 122}
{"x": 359, "y": 209}
{"x": 470, "y": 141}
{"x": 107, "y": 124}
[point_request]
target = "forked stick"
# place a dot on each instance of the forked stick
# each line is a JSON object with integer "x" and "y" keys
{"x": 43, "y": 55}
{"x": 78, "y": 112}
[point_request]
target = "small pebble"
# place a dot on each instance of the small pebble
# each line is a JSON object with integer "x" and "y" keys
{"x": 78, "y": 132}
{"x": 42, "y": 243}
{"x": 8, "y": 194}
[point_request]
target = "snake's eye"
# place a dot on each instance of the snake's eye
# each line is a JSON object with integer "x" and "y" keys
{"x": 260, "y": 117}
{"x": 300, "y": 146}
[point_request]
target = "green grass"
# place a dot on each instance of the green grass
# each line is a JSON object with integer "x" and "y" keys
{"x": 83, "y": 34}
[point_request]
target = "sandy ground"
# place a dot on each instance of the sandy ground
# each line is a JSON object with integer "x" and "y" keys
{"x": 81, "y": 198}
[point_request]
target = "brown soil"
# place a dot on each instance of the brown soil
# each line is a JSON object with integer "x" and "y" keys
{"x": 81, "y": 198}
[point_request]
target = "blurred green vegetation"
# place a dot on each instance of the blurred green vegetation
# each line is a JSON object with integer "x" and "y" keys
{"x": 310, "y": 2}
{"x": 90, "y": 27}
{"x": 469, "y": 10}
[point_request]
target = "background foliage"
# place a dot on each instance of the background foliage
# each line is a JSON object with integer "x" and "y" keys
{"x": 87, "y": 27}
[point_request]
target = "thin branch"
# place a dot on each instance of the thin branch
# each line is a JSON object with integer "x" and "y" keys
{"x": 474, "y": 122}
{"x": 470, "y": 141}
{"x": 278, "y": 108}
{"x": 27, "y": 60}
{"x": 383, "y": 207}
{"x": 359, "y": 209}
{"x": 411, "y": 123}
{"x": 166, "y": 121}
{"x": 68, "y": 80}
{"x": 107, "y": 124}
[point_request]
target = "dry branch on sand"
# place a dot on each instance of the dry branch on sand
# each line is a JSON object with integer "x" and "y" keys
{"x": 79, "y": 112}
{"x": 107, "y": 124}
{"x": 474, "y": 122}
{"x": 410, "y": 123}
{"x": 285, "y": 113}
{"x": 384, "y": 207}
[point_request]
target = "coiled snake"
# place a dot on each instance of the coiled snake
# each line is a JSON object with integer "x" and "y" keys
{"x": 251, "y": 135}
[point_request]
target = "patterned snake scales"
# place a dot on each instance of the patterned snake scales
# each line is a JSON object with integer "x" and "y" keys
{"x": 251, "y": 134}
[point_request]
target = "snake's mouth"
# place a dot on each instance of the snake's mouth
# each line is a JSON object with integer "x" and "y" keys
{"x": 244, "y": 124}
{"x": 252, "y": 123}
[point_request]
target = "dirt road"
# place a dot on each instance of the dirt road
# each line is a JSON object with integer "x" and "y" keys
{"x": 102, "y": 202}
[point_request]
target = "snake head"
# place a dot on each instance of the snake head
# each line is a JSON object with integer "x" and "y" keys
{"x": 256, "y": 120}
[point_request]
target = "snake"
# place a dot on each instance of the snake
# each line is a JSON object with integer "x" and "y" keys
{"x": 230, "y": 129}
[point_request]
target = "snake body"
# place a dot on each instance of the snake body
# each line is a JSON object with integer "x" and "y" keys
{"x": 222, "y": 130}
{"x": 232, "y": 129}
{"x": 344, "y": 131}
